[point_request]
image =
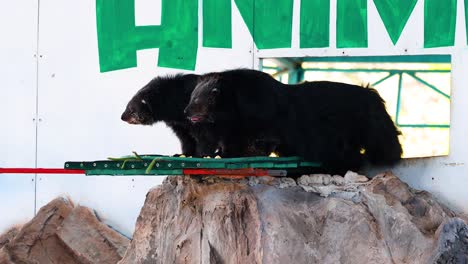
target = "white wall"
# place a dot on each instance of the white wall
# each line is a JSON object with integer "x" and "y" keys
{"x": 78, "y": 108}
{"x": 18, "y": 68}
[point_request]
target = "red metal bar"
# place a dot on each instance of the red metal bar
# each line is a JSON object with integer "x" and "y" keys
{"x": 39, "y": 171}
{"x": 227, "y": 172}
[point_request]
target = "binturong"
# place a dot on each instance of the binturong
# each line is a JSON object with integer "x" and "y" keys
{"x": 163, "y": 99}
{"x": 340, "y": 125}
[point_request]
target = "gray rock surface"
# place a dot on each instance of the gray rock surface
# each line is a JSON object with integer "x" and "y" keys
{"x": 9, "y": 235}
{"x": 320, "y": 219}
{"x": 313, "y": 219}
{"x": 61, "y": 233}
{"x": 452, "y": 246}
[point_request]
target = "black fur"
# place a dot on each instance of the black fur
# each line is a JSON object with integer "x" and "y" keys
{"x": 236, "y": 137}
{"x": 164, "y": 99}
{"x": 321, "y": 121}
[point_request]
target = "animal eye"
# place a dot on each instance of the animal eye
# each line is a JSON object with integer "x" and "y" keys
{"x": 215, "y": 91}
{"x": 143, "y": 101}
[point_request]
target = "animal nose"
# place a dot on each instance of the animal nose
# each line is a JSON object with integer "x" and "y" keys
{"x": 125, "y": 116}
{"x": 186, "y": 110}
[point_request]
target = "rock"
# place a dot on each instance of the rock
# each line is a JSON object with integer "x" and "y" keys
{"x": 352, "y": 177}
{"x": 286, "y": 183}
{"x": 326, "y": 185}
{"x": 318, "y": 219}
{"x": 36, "y": 242}
{"x": 9, "y": 235}
{"x": 184, "y": 220}
{"x": 452, "y": 246}
{"x": 63, "y": 233}
{"x": 5, "y": 238}
{"x": 190, "y": 220}
{"x": 89, "y": 238}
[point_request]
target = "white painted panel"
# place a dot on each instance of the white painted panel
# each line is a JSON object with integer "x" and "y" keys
{"x": 147, "y": 12}
{"x": 18, "y": 26}
{"x": 18, "y": 29}
{"x": 16, "y": 200}
{"x": 80, "y": 109}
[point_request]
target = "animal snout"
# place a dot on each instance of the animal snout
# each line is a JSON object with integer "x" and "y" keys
{"x": 125, "y": 116}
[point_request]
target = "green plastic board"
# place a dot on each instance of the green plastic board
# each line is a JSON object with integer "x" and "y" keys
{"x": 167, "y": 165}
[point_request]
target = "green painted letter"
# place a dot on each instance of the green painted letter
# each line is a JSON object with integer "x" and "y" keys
{"x": 439, "y": 23}
{"x": 269, "y": 22}
{"x": 315, "y": 23}
{"x": 351, "y": 24}
{"x": 119, "y": 38}
{"x": 395, "y": 15}
{"x": 466, "y": 19}
{"x": 217, "y": 27}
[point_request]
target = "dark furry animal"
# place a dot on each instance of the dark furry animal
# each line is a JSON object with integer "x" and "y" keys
{"x": 337, "y": 124}
{"x": 236, "y": 138}
{"x": 164, "y": 99}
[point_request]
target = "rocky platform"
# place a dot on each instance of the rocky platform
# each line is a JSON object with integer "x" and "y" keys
{"x": 313, "y": 219}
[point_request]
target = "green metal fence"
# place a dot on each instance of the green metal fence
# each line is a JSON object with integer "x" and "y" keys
{"x": 296, "y": 74}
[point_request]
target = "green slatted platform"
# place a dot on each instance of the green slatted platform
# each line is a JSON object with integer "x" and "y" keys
{"x": 167, "y": 165}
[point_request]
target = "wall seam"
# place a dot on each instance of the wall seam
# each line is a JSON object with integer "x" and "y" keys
{"x": 37, "y": 105}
